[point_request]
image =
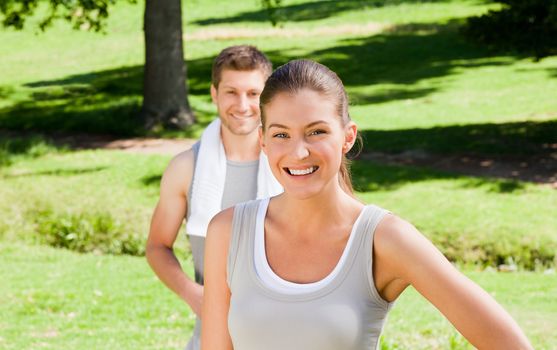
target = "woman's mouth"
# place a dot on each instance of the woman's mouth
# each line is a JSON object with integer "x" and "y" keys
{"x": 301, "y": 172}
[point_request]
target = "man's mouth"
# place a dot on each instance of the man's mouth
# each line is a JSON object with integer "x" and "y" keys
{"x": 237, "y": 116}
{"x": 300, "y": 172}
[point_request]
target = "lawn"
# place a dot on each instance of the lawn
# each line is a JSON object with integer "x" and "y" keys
{"x": 472, "y": 220}
{"x": 57, "y": 299}
{"x": 404, "y": 64}
{"x": 415, "y": 84}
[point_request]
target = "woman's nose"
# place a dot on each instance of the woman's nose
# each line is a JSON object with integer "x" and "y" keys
{"x": 301, "y": 150}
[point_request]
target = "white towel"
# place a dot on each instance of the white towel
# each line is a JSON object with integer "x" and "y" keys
{"x": 209, "y": 177}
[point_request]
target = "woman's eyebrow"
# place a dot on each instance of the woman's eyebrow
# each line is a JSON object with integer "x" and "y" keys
{"x": 276, "y": 125}
{"x": 315, "y": 123}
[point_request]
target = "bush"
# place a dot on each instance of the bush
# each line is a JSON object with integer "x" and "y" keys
{"x": 529, "y": 252}
{"x": 32, "y": 147}
{"x": 5, "y": 158}
{"x": 527, "y": 26}
{"x": 87, "y": 232}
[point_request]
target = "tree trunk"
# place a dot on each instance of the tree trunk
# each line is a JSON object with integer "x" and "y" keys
{"x": 165, "y": 99}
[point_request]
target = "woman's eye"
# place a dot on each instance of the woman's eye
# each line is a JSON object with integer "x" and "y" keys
{"x": 318, "y": 132}
{"x": 280, "y": 135}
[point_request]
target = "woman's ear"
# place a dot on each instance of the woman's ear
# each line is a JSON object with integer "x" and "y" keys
{"x": 350, "y": 134}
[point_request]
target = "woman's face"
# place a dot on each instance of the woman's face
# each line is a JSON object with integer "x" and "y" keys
{"x": 305, "y": 140}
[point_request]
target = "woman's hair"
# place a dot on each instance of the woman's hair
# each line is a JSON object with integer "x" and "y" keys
{"x": 306, "y": 74}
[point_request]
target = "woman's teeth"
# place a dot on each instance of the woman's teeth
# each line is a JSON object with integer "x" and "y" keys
{"x": 302, "y": 171}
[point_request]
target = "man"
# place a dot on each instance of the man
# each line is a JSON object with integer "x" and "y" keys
{"x": 224, "y": 168}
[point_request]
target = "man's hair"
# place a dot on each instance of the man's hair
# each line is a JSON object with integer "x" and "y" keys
{"x": 242, "y": 58}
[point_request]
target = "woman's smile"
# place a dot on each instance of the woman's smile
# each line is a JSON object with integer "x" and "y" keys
{"x": 301, "y": 171}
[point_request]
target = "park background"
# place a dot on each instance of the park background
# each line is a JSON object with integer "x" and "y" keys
{"x": 460, "y": 138}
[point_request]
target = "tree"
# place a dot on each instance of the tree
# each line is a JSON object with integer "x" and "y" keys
{"x": 165, "y": 99}
{"x": 165, "y": 96}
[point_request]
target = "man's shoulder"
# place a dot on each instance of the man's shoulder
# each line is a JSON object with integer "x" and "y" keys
{"x": 184, "y": 159}
{"x": 179, "y": 172}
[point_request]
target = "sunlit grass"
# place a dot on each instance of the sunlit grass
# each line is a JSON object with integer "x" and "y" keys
{"x": 62, "y": 300}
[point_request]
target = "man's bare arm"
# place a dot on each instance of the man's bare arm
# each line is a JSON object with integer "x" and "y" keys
{"x": 165, "y": 225}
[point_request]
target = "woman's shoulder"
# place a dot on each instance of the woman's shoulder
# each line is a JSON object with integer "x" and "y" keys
{"x": 394, "y": 233}
{"x": 219, "y": 230}
{"x": 223, "y": 218}
{"x": 221, "y": 225}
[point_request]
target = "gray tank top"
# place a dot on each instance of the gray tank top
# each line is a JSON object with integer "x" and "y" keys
{"x": 240, "y": 185}
{"x": 347, "y": 313}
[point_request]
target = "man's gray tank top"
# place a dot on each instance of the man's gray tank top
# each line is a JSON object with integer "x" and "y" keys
{"x": 347, "y": 313}
{"x": 240, "y": 186}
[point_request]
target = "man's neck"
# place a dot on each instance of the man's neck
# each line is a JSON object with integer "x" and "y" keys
{"x": 240, "y": 148}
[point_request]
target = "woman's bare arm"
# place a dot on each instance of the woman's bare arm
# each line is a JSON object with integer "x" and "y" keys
{"x": 216, "y": 299}
{"x": 474, "y": 313}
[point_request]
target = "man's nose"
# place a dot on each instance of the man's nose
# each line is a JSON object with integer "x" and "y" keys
{"x": 243, "y": 103}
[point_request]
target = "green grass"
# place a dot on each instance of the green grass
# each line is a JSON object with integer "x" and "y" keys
{"x": 418, "y": 73}
{"x": 472, "y": 220}
{"x": 56, "y": 299}
{"x": 415, "y": 324}
{"x": 41, "y": 191}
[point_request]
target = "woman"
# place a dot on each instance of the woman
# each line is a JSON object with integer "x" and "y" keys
{"x": 313, "y": 268}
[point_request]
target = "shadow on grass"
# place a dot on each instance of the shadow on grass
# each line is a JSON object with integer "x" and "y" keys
{"x": 310, "y": 11}
{"x": 405, "y": 56}
{"x": 520, "y": 138}
{"x": 153, "y": 180}
{"x": 369, "y": 176}
{"x": 58, "y": 172}
{"x": 104, "y": 102}
{"x": 24, "y": 145}
{"x": 30, "y": 146}
{"x": 100, "y": 102}
{"x": 108, "y": 101}
{"x": 6, "y": 91}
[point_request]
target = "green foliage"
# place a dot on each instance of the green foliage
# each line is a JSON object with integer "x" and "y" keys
{"x": 531, "y": 253}
{"x": 87, "y": 232}
{"x": 31, "y": 147}
{"x": 526, "y": 26}
{"x": 82, "y": 14}
{"x": 273, "y": 10}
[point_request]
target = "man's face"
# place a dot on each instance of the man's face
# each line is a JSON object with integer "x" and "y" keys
{"x": 237, "y": 100}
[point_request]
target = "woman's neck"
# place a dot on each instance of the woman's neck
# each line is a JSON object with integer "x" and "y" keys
{"x": 330, "y": 207}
